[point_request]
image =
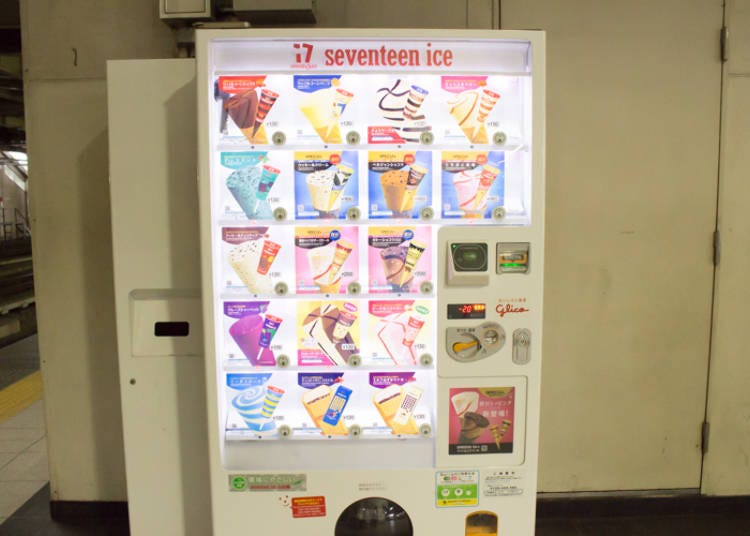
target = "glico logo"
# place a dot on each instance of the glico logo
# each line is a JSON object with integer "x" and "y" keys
{"x": 303, "y": 55}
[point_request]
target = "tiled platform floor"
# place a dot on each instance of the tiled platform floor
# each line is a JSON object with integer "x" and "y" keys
{"x": 23, "y": 459}
{"x": 18, "y": 360}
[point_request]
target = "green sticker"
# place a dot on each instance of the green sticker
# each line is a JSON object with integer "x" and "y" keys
{"x": 457, "y": 488}
{"x": 237, "y": 483}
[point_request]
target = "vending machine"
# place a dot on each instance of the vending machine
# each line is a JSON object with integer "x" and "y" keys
{"x": 372, "y": 237}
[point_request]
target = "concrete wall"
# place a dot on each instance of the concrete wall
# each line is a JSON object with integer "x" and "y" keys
{"x": 65, "y": 45}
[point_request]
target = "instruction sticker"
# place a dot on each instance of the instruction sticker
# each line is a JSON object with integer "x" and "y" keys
{"x": 309, "y": 506}
{"x": 502, "y": 483}
{"x": 273, "y": 482}
{"x": 456, "y": 488}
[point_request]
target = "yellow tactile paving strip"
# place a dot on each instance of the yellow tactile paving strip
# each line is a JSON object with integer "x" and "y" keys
{"x": 20, "y": 395}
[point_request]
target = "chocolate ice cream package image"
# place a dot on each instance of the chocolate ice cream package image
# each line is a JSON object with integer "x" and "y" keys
{"x": 399, "y": 258}
{"x": 400, "y": 183}
{"x": 247, "y": 106}
{"x": 325, "y": 102}
{"x": 472, "y": 183}
{"x": 480, "y": 420}
{"x": 471, "y": 102}
{"x": 325, "y": 397}
{"x": 399, "y": 332}
{"x": 399, "y": 399}
{"x": 401, "y": 111}
{"x": 327, "y": 259}
{"x": 256, "y": 258}
{"x": 327, "y": 332}
{"x": 255, "y": 183}
{"x": 326, "y": 183}
{"x": 257, "y": 331}
{"x": 254, "y": 403}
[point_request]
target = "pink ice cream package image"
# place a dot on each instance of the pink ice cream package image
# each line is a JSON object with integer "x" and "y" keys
{"x": 473, "y": 183}
{"x": 327, "y": 259}
{"x": 399, "y": 258}
{"x": 400, "y": 331}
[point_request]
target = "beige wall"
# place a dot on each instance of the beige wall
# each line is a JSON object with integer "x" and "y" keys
{"x": 633, "y": 92}
{"x": 65, "y": 44}
{"x": 727, "y": 465}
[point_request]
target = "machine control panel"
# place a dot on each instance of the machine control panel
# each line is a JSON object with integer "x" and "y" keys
{"x": 468, "y": 264}
{"x": 466, "y": 344}
{"x": 521, "y": 346}
{"x": 512, "y": 258}
{"x": 463, "y": 311}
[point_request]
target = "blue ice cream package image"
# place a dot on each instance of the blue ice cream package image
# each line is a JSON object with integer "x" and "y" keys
{"x": 473, "y": 183}
{"x": 256, "y": 185}
{"x": 253, "y": 401}
{"x": 400, "y": 183}
{"x": 326, "y": 184}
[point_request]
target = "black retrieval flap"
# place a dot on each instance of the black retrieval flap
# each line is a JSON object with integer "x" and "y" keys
{"x": 171, "y": 329}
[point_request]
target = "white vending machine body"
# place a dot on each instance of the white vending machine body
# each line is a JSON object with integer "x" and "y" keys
{"x": 372, "y": 249}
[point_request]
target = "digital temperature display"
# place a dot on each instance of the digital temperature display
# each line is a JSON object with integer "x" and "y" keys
{"x": 466, "y": 310}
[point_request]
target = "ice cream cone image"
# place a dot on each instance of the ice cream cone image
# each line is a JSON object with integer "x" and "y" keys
{"x": 472, "y": 426}
{"x": 330, "y": 288}
{"x": 394, "y": 187}
{"x": 416, "y": 174}
{"x": 465, "y": 402}
{"x": 413, "y": 253}
{"x": 487, "y": 102}
{"x": 463, "y": 105}
{"x": 330, "y": 133}
{"x": 486, "y": 179}
{"x": 255, "y": 135}
{"x": 265, "y": 103}
{"x": 242, "y": 108}
{"x": 499, "y": 432}
{"x": 244, "y": 260}
{"x": 335, "y": 194}
{"x": 470, "y": 109}
{"x": 318, "y": 108}
{"x": 466, "y": 184}
{"x": 320, "y": 260}
{"x": 324, "y": 194}
{"x": 476, "y": 133}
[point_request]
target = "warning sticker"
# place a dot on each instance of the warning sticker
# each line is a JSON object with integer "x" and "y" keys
{"x": 309, "y": 506}
{"x": 457, "y": 488}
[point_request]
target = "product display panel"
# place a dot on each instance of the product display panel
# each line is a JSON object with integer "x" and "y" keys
{"x": 368, "y": 207}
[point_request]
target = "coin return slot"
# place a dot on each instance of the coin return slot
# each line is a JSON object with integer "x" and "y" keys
{"x": 171, "y": 329}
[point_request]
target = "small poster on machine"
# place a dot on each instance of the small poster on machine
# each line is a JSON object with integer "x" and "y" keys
{"x": 480, "y": 420}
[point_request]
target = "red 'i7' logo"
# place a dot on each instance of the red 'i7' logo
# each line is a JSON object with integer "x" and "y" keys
{"x": 308, "y": 52}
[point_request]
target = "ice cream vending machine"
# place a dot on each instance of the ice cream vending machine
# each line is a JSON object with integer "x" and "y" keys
{"x": 372, "y": 237}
